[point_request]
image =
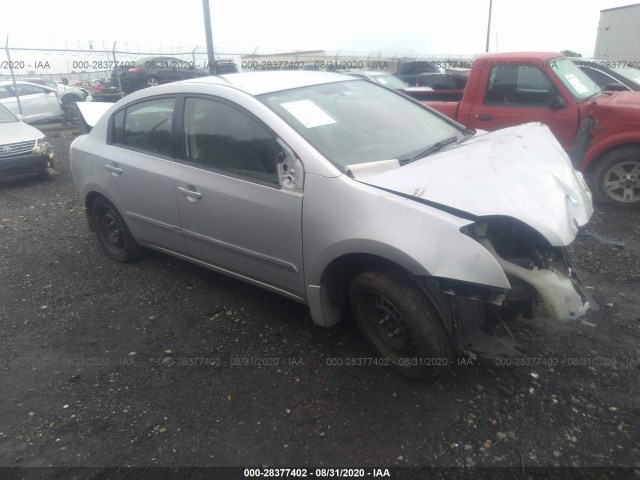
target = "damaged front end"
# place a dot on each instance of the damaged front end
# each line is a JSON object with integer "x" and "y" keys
{"x": 25, "y": 159}
{"x": 534, "y": 269}
{"x": 537, "y": 272}
{"x": 525, "y": 204}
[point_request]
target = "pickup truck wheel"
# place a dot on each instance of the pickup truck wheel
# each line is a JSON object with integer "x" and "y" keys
{"x": 113, "y": 234}
{"x": 617, "y": 178}
{"x": 401, "y": 323}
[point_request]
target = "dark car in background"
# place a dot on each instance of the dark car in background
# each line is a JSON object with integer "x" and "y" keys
{"x": 610, "y": 74}
{"x": 151, "y": 71}
{"x": 392, "y": 82}
{"x": 383, "y": 78}
{"x": 409, "y": 70}
{"x": 443, "y": 81}
{"x": 445, "y": 86}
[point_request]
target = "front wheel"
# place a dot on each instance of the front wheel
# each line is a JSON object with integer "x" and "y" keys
{"x": 70, "y": 109}
{"x": 401, "y": 323}
{"x": 114, "y": 236}
{"x": 616, "y": 178}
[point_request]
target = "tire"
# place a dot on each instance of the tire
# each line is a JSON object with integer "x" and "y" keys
{"x": 153, "y": 82}
{"x": 43, "y": 175}
{"x": 113, "y": 233}
{"x": 70, "y": 108}
{"x": 401, "y": 323}
{"x": 616, "y": 178}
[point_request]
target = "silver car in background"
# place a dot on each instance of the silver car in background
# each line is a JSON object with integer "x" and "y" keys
{"x": 29, "y": 101}
{"x": 24, "y": 150}
{"x": 340, "y": 193}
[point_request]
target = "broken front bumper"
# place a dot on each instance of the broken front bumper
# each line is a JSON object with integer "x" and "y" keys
{"x": 562, "y": 292}
{"x": 24, "y": 166}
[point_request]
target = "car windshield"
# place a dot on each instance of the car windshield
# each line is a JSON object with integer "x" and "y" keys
{"x": 579, "y": 85}
{"x": 630, "y": 73}
{"x": 390, "y": 81}
{"x": 6, "y": 116}
{"x": 357, "y": 121}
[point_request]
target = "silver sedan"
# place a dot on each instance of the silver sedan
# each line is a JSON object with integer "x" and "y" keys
{"x": 342, "y": 194}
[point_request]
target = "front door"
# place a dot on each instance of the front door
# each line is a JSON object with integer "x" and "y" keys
{"x": 521, "y": 93}
{"x": 235, "y": 214}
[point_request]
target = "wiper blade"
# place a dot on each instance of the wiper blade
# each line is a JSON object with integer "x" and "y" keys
{"x": 592, "y": 96}
{"x": 434, "y": 148}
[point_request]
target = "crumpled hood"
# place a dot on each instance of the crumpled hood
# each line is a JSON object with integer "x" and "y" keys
{"x": 520, "y": 172}
{"x": 619, "y": 99}
{"x": 617, "y": 107}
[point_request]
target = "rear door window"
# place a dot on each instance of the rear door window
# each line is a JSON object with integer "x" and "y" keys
{"x": 145, "y": 126}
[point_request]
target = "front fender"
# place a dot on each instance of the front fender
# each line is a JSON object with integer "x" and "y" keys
{"x": 342, "y": 217}
{"x": 600, "y": 147}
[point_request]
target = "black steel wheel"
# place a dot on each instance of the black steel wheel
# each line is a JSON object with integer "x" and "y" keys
{"x": 113, "y": 233}
{"x": 401, "y": 323}
{"x": 70, "y": 110}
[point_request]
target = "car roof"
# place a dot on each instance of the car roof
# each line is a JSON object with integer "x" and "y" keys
{"x": 258, "y": 83}
{"x": 372, "y": 73}
{"x": 21, "y": 82}
{"x": 590, "y": 58}
{"x": 155, "y": 57}
{"x": 544, "y": 56}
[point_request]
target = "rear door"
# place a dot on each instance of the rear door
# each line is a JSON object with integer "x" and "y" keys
{"x": 38, "y": 103}
{"x": 235, "y": 214}
{"x": 519, "y": 93}
{"x": 137, "y": 170}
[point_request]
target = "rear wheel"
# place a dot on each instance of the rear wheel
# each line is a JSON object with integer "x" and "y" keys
{"x": 401, "y": 323}
{"x": 616, "y": 178}
{"x": 113, "y": 234}
{"x": 153, "y": 82}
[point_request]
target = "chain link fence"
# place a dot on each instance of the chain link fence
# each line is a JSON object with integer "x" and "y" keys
{"x": 45, "y": 84}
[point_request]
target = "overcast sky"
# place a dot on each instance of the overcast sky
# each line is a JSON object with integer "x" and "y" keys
{"x": 241, "y": 26}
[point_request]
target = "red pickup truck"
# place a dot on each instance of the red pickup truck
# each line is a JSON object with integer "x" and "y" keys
{"x": 600, "y": 130}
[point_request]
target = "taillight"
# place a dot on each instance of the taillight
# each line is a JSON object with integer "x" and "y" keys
{"x": 135, "y": 70}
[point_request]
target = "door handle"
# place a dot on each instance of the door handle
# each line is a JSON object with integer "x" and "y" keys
{"x": 484, "y": 117}
{"x": 112, "y": 169}
{"x": 191, "y": 194}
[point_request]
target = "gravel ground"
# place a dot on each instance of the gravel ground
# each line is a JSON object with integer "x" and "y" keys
{"x": 162, "y": 363}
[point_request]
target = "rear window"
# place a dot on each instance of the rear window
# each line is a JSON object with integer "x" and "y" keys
{"x": 145, "y": 126}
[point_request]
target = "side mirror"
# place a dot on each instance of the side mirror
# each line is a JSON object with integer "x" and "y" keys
{"x": 614, "y": 87}
{"x": 558, "y": 102}
{"x": 290, "y": 169}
